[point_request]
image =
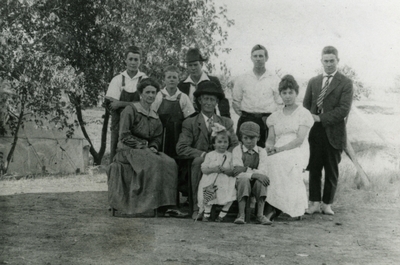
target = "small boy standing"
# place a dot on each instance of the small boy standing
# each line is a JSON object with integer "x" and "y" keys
{"x": 173, "y": 107}
{"x": 249, "y": 163}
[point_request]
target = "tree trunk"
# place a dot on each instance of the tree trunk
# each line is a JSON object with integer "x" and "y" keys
{"x": 103, "y": 144}
{"x": 14, "y": 144}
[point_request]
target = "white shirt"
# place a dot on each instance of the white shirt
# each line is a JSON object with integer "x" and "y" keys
{"x": 237, "y": 161}
{"x": 256, "y": 95}
{"x": 193, "y": 85}
{"x": 185, "y": 103}
{"x": 115, "y": 87}
{"x": 326, "y": 77}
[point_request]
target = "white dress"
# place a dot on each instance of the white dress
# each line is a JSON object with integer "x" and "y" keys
{"x": 287, "y": 191}
{"x": 226, "y": 185}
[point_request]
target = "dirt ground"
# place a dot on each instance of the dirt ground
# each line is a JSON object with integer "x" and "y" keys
{"x": 65, "y": 220}
{"x": 52, "y": 224}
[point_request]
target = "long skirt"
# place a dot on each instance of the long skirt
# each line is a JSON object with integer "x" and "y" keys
{"x": 140, "y": 180}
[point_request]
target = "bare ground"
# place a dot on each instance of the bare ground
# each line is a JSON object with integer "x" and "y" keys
{"x": 56, "y": 227}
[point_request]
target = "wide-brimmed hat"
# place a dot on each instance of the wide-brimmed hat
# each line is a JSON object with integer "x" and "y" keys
{"x": 194, "y": 55}
{"x": 209, "y": 88}
{"x": 250, "y": 128}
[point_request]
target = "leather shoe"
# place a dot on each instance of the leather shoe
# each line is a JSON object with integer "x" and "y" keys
{"x": 239, "y": 220}
{"x": 313, "y": 207}
{"x": 263, "y": 220}
{"x": 326, "y": 209}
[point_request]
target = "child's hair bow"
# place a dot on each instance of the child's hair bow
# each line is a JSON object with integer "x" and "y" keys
{"x": 217, "y": 128}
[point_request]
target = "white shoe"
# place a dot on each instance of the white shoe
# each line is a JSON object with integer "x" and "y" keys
{"x": 326, "y": 209}
{"x": 313, "y": 207}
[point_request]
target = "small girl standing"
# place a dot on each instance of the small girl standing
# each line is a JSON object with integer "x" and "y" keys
{"x": 218, "y": 170}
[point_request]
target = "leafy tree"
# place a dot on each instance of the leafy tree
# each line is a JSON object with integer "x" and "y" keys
{"x": 35, "y": 78}
{"x": 91, "y": 35}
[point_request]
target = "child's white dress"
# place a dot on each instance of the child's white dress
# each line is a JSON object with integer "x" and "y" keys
{"x": 226, "y": 185}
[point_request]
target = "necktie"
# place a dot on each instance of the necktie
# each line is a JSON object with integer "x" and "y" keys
{"x": 251, "y": 152}
{"x": 321, "y": 96}
{"x": 210, "y": 124}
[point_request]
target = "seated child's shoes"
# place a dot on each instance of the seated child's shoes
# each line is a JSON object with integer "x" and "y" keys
{"x": 206, "y": 219}
{"x": 263, "y": 220}
{"x": 220, "y": 219}
{"x": 239, "y": 220}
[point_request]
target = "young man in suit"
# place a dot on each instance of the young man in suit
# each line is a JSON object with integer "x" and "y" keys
{"x": 328, "y": 97}
{"x": 194, "y": 61}
{"x": 195, "y": 139}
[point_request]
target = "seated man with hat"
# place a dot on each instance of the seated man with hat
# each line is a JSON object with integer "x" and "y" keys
{"x": 194, "y": 61}
{"x": 195, "y": 139}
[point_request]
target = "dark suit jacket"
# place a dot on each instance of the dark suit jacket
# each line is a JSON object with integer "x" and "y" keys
{"x": 336, "y": 106}
{"x": 194, "y": 140}
{"x": 223, "y": 105}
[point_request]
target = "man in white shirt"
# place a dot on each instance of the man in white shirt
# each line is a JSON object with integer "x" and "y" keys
{"x": 255, "y": 94}
{"x": 122, "y": 91}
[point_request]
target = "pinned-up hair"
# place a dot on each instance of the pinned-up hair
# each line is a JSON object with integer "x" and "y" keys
{"x": 147, "y": 82}
{"x": 288, "y": 82}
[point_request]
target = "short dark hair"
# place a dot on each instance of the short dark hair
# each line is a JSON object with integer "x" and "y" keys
{"x": 172, "y": 68}
{"x": 259, "y": 47}
{"x": 330, "y": 50}
{"x": 288, "y": 82}
{"x": 147, "y": 82}
{"x": 132, "y": 49}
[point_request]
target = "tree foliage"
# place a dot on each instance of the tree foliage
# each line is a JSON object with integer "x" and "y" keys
{"x": 89, "y": 36}
{"x": 36, "y": 79}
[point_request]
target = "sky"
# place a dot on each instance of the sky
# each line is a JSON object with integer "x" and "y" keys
{"x": 366, "y": 34}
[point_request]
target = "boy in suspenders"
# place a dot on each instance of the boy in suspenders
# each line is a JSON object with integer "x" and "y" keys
{"x": 122, "y": 91}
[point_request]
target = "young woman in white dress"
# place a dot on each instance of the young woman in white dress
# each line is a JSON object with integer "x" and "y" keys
{"x": 288, "y": 128}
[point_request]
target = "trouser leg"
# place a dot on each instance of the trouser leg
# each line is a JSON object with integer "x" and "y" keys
{"x": 316, "y": 161}
{"x": 331, "y": 166}
{"x": 196, "y": 177}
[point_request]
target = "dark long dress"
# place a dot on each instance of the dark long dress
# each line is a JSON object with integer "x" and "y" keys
{"x": 140, "y": 180}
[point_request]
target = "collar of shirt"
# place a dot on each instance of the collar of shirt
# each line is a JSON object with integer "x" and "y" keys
{"x": 255, "y": 149}
{"x": 152, "y": 113}
{"x": 168, "y": 96}
{"x": 325, "y": 77}
{"x": 138, "y": 74}
{"x": 203, "y": 77}
{"x": 264, "y": 75}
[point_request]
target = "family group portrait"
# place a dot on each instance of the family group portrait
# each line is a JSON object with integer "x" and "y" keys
{"x": 199, "y": 132}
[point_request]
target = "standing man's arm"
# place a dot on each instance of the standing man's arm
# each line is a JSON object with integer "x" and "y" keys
{"x": 237, "y": 96}
{"x": 340, "y": 112}
{"x": 307, "y": 101}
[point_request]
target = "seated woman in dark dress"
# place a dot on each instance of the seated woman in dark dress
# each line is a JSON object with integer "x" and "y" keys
{"x": 141, "y": 179}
